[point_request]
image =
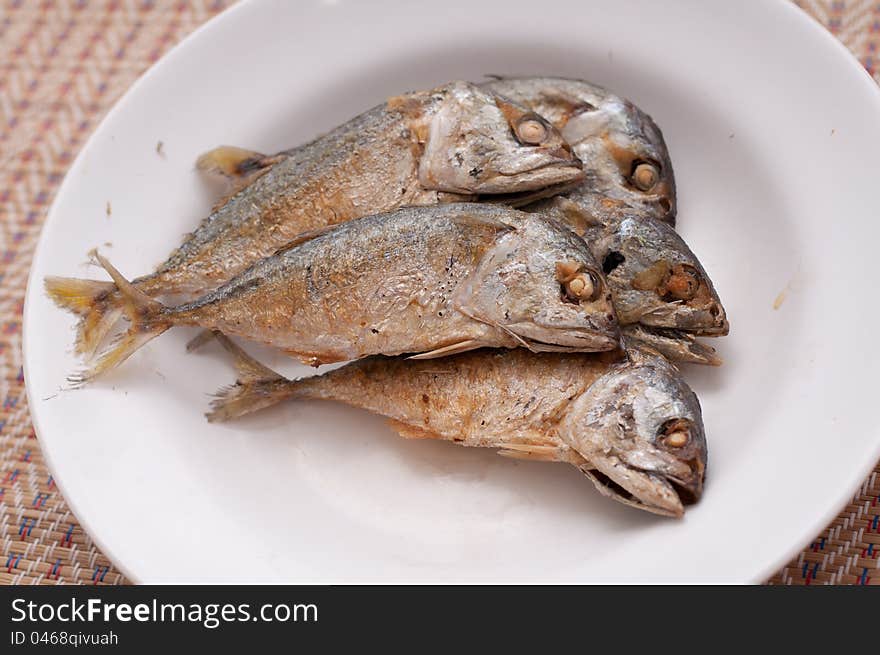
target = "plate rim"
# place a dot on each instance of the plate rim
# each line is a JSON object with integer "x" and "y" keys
{"x": 786, "y": 8}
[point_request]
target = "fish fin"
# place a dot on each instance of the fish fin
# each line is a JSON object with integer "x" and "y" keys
{"x": 233, "y": 163}
{"x": 303, "y": 237}
{"x": 76, "y": 295}
{"x": 238, "y": 166}
{"x": 529, "y": 451}
{"x": 257, "y": 386}
{"x": 203, "y": 337}
{"x": 452, "y": 349}
{"x": 94, "y": 301}
{"x": 147, "y": 322}
{"x": 248, "y": 368}
{"x": 410, "y": 431}
{"x": 246, "y": 397}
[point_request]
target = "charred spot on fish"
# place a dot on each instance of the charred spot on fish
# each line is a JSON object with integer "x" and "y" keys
{"x": 425, "y": 398}
{"x": 612, "y": 260}
{"x": 459, "y": 158}
{"x": 374, "y": 330}
{"x": 475, "y": 172}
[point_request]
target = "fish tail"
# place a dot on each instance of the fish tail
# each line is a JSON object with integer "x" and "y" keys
{"x": 148, "y": 319}
{"x": 257, "y": 386}
{"x": 97, "y": 303}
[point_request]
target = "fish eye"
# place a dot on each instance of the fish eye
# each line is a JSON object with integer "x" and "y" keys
{"x": 645, "y": 175}
{"x": 530, "y": 130}
{"x": 578, "y": 283}
{"x": 675, "y": 433}
{"x": 583, "y": 286}
{"x": 683, "y": 282}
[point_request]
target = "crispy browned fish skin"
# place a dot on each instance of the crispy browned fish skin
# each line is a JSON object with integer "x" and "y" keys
{"x": 632, "y": 424}
{"x": 413, "y": 150}
{"x": 627, "y": 166}
{"x": 427, "y": 280}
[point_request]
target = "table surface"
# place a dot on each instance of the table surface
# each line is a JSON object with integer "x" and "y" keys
{"x": 64, "y": 64}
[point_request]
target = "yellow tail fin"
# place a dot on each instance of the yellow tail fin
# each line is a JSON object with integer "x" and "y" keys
{"x": 147, "y": 318}
{"x": 97, "y": 304}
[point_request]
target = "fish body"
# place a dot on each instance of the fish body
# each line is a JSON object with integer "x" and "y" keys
{"x": 631, "y": 423}
{"x": 627, "y": 167}
{"x": 425, "y": 280}
{"x": 420, "y": 148}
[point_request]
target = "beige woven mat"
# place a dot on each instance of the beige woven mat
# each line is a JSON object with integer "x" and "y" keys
{"x": 64, "y": 64}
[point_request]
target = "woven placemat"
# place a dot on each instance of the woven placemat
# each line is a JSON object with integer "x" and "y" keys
{"x": 63, "y": 65}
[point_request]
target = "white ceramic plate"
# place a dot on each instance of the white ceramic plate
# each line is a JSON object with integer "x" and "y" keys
{"x": 774, "y": 134}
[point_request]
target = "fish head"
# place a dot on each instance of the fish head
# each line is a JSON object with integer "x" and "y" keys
{"x": 477, "y": 142}
{"x": 640, "y": 429}
{"x": 626, "y": 162}
{"x": 656, "y": 280}
{"x": 540, "y": 285}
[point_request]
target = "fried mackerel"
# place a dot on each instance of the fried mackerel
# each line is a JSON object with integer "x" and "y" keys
{"x": 430, "y": 281}
{"x": 416, "y": 149}
{"x": 631, "y": 424}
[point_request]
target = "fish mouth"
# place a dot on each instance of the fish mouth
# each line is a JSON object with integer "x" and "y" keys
{"x": 650, "y": 491}
{"x": 550, "y": 171}
{"x": 539, "y": 339}
{"x": 699, "y": 322}
{"x": 676, "y": 345}
{"x": 523, "y": 198}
